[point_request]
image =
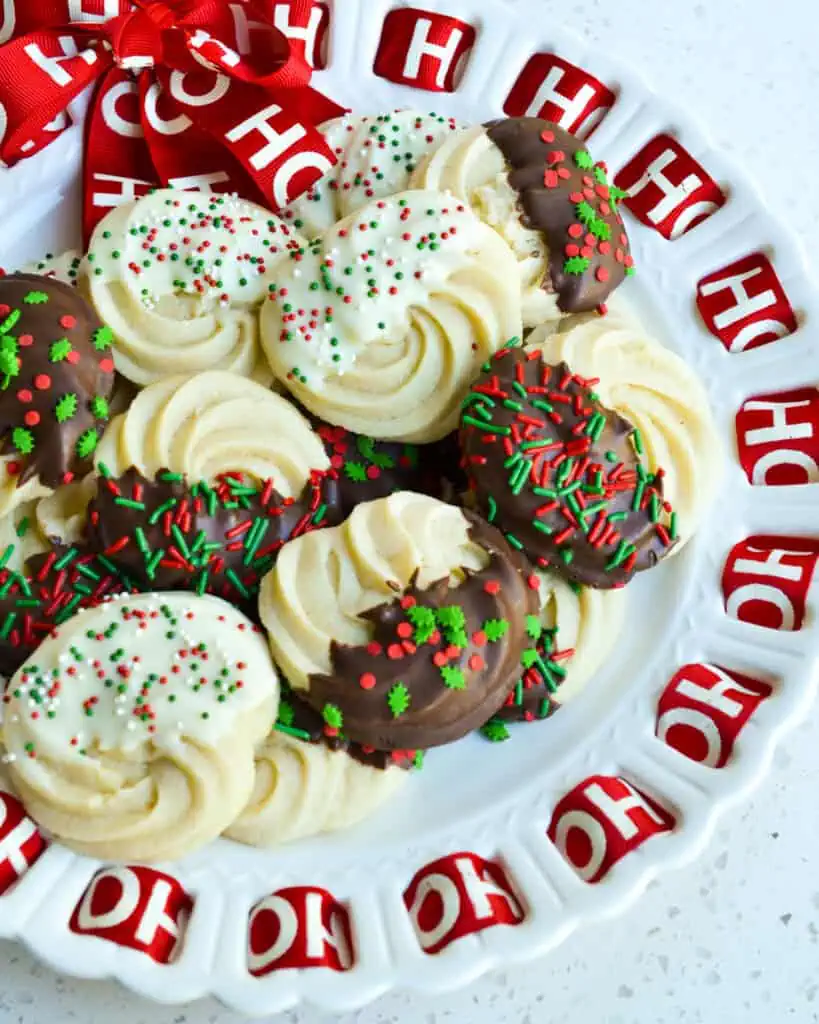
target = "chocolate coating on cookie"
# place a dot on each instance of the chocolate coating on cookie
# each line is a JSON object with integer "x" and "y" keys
{"x": 298, "y": 719}
{"x": 54, "y": 587}
{"x": 167, "y": 534}
{"x": 536, "y": 695}
{"x": 56, "y": 376}
{"x": 567, "y": 197}
{"x": 368, "y": 469}
{"x": 440, "y": 660}
{"x": 562, "y": 475}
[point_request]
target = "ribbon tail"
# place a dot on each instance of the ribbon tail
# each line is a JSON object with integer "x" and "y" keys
{"x": 118, "y": 166}
{"x": 40, "y": 74}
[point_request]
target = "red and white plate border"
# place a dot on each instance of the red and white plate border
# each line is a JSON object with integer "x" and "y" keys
{"x": 695, "y": 731}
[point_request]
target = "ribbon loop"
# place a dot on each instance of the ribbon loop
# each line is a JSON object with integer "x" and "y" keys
{"x": 241, "y": 99}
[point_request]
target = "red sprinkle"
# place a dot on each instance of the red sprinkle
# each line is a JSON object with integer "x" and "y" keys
{"x": 367, "y": 681}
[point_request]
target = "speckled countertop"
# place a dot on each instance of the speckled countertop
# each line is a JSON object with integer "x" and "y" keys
{"x": 736, "y": 936}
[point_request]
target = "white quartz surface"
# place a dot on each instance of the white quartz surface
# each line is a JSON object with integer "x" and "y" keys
{"x": 735, "y": 937}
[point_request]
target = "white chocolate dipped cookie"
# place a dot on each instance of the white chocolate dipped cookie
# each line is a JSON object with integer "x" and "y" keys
{"x": 131, "y": 733}
{"x": 381, "y": 325}
{"x": 541, "y": 190}
{"x": 658, "y": 393}
{"x": 376, "y": 156}
{"x": 69, "y": 267}
{"x": 178, "y": 277}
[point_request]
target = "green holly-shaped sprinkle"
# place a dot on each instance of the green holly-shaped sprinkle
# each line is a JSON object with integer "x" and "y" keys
{"x": 584, "y": 160}
{"x": 418, "y": 760}
{"x": 333, "y": 716}
{"x": 60, "y": 350}
{"x": 453, "y": 677}
{"x": 100, "y": 409}
{"x": 495, "y": 731}
{"x": 367, "y": 449}
{"x": 600, "y": 229}
{"x": 103, "y": 338}
{"x": 495, "y": 629}
{"x": 600, "y": 175}
{"x": 534, "y": 627}
{"x": 529, "y": 658}
{"x": 423, "y": 619}
{"x": 35, "y": 298}
{"x": 86, "y": 444}
{"x": 286, "y": 713}
{"x": 23, "y": 440}
{"x": 356, "y": 472}
{"x": 452, "y": 621}
{"x": 617, "y": 195}
{"x": 398, "y": 700}
{"x": 576, "y": 265}
{"x": 66, "y": 408}
{"x": 585, "y": 213}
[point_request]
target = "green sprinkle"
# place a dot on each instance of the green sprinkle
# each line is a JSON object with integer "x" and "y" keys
{"x": 398, "y": 700}
{"x": 472, "y": 422}
{"x": 60, "y": 350}
{"x": 333, "y": 716}
{"x": 87, "y": 443}
{"x": 66, "y": 408}
{"x": 23, "y": 440}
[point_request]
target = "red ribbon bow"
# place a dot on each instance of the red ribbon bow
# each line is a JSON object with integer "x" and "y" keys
{"x": 189, "y": 93}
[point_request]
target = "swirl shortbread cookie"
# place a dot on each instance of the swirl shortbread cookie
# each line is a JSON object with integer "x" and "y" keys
{"x": 131, "y": 733}
{"x": 656, "y": 391}
{"x": 212, "y": 424}
{"x": 204, "y": 479}
{"x": 404, "y": 626}
{"x": 540, "y": 189}
{"x": 178, "y": 277}
{"x": 561, "y": 474}
{"x": 69, "y": 267}
{"x": 381, "y": 325}
{"x": 376, "y": 158}
{"x": 307, "y": 782}
{"x": 577, "y": 629}
{"x": 302, "y": 789}
{"x": 56, "y": 377}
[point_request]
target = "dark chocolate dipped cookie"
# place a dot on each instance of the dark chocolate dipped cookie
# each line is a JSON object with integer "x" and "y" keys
{"x": 560, "y": 474}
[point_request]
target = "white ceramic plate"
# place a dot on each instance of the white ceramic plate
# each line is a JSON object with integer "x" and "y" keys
{"x": 501, "y": 850}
